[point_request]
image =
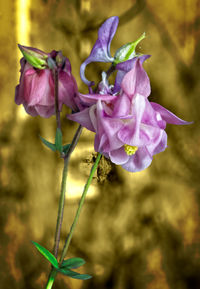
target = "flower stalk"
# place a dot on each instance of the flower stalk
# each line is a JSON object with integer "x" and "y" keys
{"x": 63, "y": 190}
{"x": 55, "y": 74}
{"x": 53, "y": 273}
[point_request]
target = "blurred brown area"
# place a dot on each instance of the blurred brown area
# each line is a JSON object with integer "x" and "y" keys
{"x": 137, "y": 230}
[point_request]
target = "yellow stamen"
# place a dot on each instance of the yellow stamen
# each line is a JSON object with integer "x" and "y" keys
{"x": 130, "y": 150}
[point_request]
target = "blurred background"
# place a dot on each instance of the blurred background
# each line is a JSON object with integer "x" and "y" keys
{"x": 136, "y": 230}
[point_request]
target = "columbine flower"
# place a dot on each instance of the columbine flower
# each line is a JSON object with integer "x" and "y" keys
{"x": 123, "y": 59}
{"x": 129, "y": 129}
{"x": 36, "y": 88}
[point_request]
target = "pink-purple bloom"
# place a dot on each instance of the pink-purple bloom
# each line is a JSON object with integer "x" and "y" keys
{"x": 36, "y": 86}
{"x": 129, "y": 129}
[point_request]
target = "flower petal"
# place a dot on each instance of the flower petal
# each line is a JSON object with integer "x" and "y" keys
{"x": 90, "y": 99}
{"x": 139, "y": 161}
{"x": 101, "y": 49}
{"x": 122, "y": 106}
{"x": 131, "y": 132}
{"x": 119, "y": 156}
{"x": 168, "y": 116}
{"x": 136, "y": 81}
{"x": 84, "y": 118}
{"x": 125, "y": 67}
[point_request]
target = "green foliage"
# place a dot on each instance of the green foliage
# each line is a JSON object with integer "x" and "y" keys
{"x": 73, "y": 274}
{"x": 66, "y": 148}
{"x": 72, "y": 263}
{"x": 46, "y": 254}
{"x": 48, "y": 144}
{"x": 58, "y": 140}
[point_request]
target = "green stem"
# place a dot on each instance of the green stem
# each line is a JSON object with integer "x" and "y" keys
{"x": 55, "y": 73}
{"x": 68, "y": 240}
{"x": 63, "y": 190}
{"x": 53, "y": 272}
{"x": 51, "y": 279}
{"x": 61, "y": 207}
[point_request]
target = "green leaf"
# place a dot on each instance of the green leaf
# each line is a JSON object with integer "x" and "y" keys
{"x": 127, "y": 51}
{"x": 66, "y": 148}
{"x": 58, "y": 140}
{"x": 73, "y": 274}
{"x": 48, "y": 144}
{"x": 46, "y": 254}
{"x": 72, "y": 263}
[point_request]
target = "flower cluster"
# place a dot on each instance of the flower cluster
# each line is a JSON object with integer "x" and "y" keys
{"x": 129, "y": 128}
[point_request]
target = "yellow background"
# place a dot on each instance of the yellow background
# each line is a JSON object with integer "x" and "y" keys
{"x": 136, "y": 230}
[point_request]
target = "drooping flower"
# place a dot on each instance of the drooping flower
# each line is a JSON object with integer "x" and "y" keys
{"x": 129, "y": 129}
{"x": 123, "y": 59}
{"x": 36, "y": 86}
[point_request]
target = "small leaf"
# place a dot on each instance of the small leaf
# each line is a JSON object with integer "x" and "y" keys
{"x": 66, "y": 148}
{"x": 72, "y": 263}
{"x": 46, "y": 254}
{"x": 73, "y": 274}
{"x": 58, "y": 140}
{"x": 48, "y": 144}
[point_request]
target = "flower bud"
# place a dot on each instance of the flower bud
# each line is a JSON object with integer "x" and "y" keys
{"x": 36, "y": 89}
{"x": 34, "y": 57}
{"x": 127, "y": 51}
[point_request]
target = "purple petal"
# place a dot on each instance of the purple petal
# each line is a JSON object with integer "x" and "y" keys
{"x": 89, "y": 99}
{"x": 124, "y": 67}
{"x": 122, "y": 106}
{"x": 158, "y": 142}
{"x": 131, "y": 133}
{"x": 101, "y": 49}
{"x": 119, "y": 156}
{"x": 45, "y": 111}
{"x": 168, "y": 116}
{"x": 139, "y": 161}
{"x": 136, "y": 81}
{"x": 67, "y": 90}
{"x": 128, "y": 65}
{"x": 152, "y": 117}
{"x": 108, "y": 126}
{"x": 84, "y": 118}
{"x": 158, "y": 146}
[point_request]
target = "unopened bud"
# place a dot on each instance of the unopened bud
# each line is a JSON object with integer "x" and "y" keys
{"x": 127, "y": 51}
{"x": 34, "y": 57}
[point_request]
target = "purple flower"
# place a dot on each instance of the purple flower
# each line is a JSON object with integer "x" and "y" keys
{"x": 129, "y": 129}
{"x": 124, "y": 58}
{"x": 36, "y": 86}
{"x": 101, "y": 49}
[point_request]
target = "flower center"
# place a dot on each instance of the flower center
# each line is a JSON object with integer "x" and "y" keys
{"x": 130, "y": 150}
